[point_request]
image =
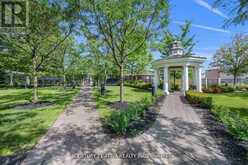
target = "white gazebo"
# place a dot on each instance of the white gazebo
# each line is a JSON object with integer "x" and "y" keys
{"x": 177, "y": 59}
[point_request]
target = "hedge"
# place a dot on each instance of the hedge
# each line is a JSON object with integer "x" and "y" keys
{"x": 201, "y": 99}
{"x": 138, "y": 84}
{"x": 236, "y": 124}
{"x": 232, "y": 119}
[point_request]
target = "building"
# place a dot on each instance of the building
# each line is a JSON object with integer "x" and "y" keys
{"x": 215, "y": 76}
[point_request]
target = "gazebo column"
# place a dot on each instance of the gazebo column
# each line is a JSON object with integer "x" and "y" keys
{"x": 185, "y": 78}
{"x": 199, "y": 79}
{"x": 166, "y": 80}
{"x": 195, "y": 77}
{"x": 155, "y": 79}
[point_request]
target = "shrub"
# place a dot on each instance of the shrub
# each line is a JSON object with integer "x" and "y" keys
{"x": 119, "y": 121}
{"x": 218, "y": 89}
{"x": 241, "y": 88}
{"x": 200, "y": 99}
{"x": 138, "y": 84}
{"x": 236, "y": 124}
{"x": 227, "y": 88}
{"x": 192, "y": 87}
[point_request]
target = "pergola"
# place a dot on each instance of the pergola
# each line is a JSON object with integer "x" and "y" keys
{"x": 177, "y": 59}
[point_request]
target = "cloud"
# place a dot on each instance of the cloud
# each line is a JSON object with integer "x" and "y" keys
{"x": 204, "y": 27}
{"x": 210, "y": 8}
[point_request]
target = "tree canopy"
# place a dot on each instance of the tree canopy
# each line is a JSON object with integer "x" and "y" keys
{"x": 233, "y": 58}
{"x": 187, "y": 41}
{"x": 237, "y": 9}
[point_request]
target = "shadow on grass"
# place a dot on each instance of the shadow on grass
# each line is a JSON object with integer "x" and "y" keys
{"x": 21, "y": 129}
{"x": 11, "y": 100}
{"x": 18, "y": 135}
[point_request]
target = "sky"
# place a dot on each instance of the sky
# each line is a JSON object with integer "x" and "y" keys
{"x": 206, "y": 25}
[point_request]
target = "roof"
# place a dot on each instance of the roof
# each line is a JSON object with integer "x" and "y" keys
{"x": 179, "y": 56}
{"x": 179, "y": 61}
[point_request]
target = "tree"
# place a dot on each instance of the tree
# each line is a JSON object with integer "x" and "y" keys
{"x": 100, "y": 59}
{"x": 238, "y": 10}
{"x": 233, "y": 58}
{"x": 139, "y": 62}
{"x": 61, "y": 57}
{"x": 124, "y": 26}
{"x": 46, "y": 32}
{"x": 187, "y": 41}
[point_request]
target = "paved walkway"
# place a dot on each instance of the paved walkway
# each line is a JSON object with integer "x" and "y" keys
{"x": 177, "y": 137}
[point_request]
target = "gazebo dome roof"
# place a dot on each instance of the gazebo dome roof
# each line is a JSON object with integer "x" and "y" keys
{"x": 178, "y": 58}
{"x": 179, "y": 61}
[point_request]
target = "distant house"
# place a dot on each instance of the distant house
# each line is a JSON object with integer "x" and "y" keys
{"x": 215, "y": 76}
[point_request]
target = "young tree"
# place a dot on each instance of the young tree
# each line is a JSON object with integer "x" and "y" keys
{"x": 124, "y": 26}
{"x": 61, "y": 56}
{"x": 75, "y": 66}
{"x": 46, "y": 32}
{"x": 238, "y": 10}
{"x": 101, "y": 60}
{"x": 233, "y": 58}
{"x": 187, "y": 41}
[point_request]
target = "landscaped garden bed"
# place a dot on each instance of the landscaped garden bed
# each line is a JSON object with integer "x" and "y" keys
{"x": 230, "y": 108}
{"x": 131, "y": 118}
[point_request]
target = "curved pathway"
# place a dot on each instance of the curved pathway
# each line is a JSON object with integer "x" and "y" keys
{"x": 177, "y": 137}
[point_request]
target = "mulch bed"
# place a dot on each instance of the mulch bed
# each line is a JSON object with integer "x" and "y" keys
{"x": 30, "y": 106}
{"x": 118, "y": 105}
{"x": 236, "y": 151}
{"x": 140, "y": 125}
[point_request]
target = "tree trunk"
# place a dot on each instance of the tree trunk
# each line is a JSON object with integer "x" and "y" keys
{"x": 121, "y": 83}
{"x": 11, "y": 79}
{"x": 35, "y": 81}
{"x": 27, "y": 83}
{"x": 234, "y": 80}
{"x": 64, "y": 81}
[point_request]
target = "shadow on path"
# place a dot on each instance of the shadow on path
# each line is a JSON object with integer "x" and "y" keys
{"x": 77, "y": 137}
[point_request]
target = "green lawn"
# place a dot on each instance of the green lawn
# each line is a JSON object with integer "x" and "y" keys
{"x": 21, "y": 129}
{"x": 236, "y": 101}
{"x": 112, "y": 95}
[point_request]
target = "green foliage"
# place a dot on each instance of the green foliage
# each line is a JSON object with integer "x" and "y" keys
{"x": 224, "y": 89}
{"x": 233, "y": 58}
{"x": 139, "y": 62}
{"x": 238, "y": 11}
{"x": 232, "y": 119}
{"x": 119, "y": 121}
{"x": 227, "y": 88}
{"x": 187, "y": 41}
{"x": 123, "y": 28}
{"x": 21, "y": 129}
{"x": 230, "y": 108}
{"x": 201, "y": 99}
{"x": 138, "y": 84}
